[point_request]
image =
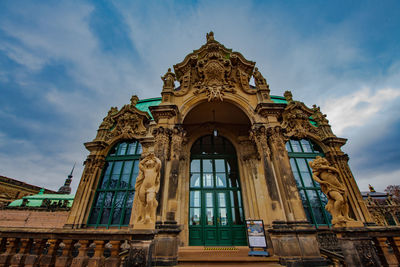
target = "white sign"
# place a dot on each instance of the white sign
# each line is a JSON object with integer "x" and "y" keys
{"x": 256, "y": 234}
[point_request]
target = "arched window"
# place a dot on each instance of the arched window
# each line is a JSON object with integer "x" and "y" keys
{"x": 114, "y": 195}
{"x": 301, "y": 152}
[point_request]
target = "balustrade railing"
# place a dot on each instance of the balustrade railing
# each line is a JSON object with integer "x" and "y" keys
{"x": 62, "y": 247}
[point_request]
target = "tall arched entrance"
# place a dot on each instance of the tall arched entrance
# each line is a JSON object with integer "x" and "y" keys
{"x": 216, "y": 214}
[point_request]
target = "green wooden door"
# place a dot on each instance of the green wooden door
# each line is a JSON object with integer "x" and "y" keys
{"x": 215, "y": 207}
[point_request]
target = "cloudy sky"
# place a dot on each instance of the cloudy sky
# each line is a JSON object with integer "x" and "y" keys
{"x": 63, "y": 64}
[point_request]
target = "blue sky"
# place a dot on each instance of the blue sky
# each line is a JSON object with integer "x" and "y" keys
{"x": 63, "y": 64}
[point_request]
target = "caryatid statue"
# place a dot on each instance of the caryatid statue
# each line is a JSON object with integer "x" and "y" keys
{"x": 147, "y": 186}
{"x": 335, "y": 191}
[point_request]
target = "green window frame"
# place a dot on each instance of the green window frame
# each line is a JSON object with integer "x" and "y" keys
{"x": 301, "y": 152}
{"x": 112, "y": 205}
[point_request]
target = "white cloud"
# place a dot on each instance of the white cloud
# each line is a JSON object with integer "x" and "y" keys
{"x": 358, "y": 108}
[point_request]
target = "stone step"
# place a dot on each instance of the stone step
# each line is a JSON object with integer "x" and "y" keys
{"x": 222, "y": 256}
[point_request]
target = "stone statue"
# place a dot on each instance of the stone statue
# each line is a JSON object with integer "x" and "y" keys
{"x": 147, "y": 186}
{"x": 318, "y": 116}
{"x": 259, "y": 79}
{"x": 335, "y": 191}
{"x": 108, "y": 121}
{"x": 169, "y": 79}
{"x": 210, "y": 37}
{"x": 134, "y": 100}
{"x": 288, "y": 96}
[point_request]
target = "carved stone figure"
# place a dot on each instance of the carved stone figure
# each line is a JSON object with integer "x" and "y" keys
{"x": 210, "y": 36}
{"x": 259, "y": 79}
{"x": 335, "y": 191}
{"x": 318, "y": 116}
{"x": 108, "y": 121}
{"x": 288, "y": 96}
{"x": 169, "y": 79}
{"x": 147, "y": 186}
{"x": 134, "y": 100}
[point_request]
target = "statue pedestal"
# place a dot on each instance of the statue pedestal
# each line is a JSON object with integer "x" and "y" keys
{"x": 349, "y": 224}
{"x": 140, "y": 226}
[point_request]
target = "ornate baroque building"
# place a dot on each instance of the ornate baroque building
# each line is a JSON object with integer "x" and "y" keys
{"x": 176, "y": 177}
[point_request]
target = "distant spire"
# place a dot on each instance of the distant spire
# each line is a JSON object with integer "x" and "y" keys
{"x": 371, "y": 188}
{"x": 66, "y": 188}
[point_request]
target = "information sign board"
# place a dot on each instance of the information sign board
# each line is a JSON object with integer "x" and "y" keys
{"x": 256, "y": 234}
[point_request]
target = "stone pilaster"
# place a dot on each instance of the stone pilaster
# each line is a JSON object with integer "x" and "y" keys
{"x": 280, "y": 158}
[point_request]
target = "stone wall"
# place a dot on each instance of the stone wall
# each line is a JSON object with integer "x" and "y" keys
{"x": 32, "y": 218}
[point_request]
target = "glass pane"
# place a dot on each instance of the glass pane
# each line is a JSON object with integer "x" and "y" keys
{"x": 307, "y": 179}
{"x": 135, "y": 173}
{"x": 237, "y": 216}
{"x": 195, "y": 200}
{"x": 106, "y": 176}
{"x": 302, "y": 163}
{"x": 306, "y": 145}
{"x": 316, "y": 148}
{"x": 194, "y": 218}
{"x": 220, "y": 179}
{"x": 235, "y": 199}
{"x": 118, "y": 204}
{"x": 131, "y": 149}
{"x": 318, "y": 215}
{"x": 222, "y": 216}
{"x": 207, "y": 165}
{"x": 303, "y": 197}
{"x": 314, "y": 200}
{"x": 195, "y": 165}
{"x": 126, "y": 174}
{"x": 209, "y": 216}
{"x": 96, "y": 208}
{"x": 295, "y": 145}
{"x": 107, "y": 208}
{"x": 139, "y": 149}
{"x": 220, "y": 165}
{"x": 297, "y": 179}
{"x": 128, "y": 208}
{"x": 288, "y": 148}
{"x": 209, "y": 200}
{"x": 208, "y": 180}
{"x": 122, "y": 149}
{"x": 221, "y": 200}
{"x": 115, "y": 174}
{"x": 233, "y": 180}
{"x": 308, "y": 214}
{"x": 195, "y": 180}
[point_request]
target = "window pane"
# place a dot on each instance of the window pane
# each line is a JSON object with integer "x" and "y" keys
{"x": 194, "y": 218}
{"x": 131, "y": 149}
{"x": 96, "y": 208}
{"x": 115, "y": 174}
{"x": 195, "y": 165}
{"x": 118, "y": 204}
{"x": 233, "y": 180}
{"x": 126, "y": 174}
{"x": 208, "y": 180}
{"x": 314, "y": 200}
{"x": 220, "y": 165}
{"x": 220, "y": 179}
{"x": 106, "y": 175}
{"x": 122, "y": 149}
{"x": 308, "y": 214}
{"x": 237, "y": 216}
{"x": 222, "y": 216}
{"x": 306, "y": 146}
{"x": 318, "y": 215}
{"x": 235, "y": 199}
{"x": 207, "y": 165}
{"x": 195, "y": 200}
{"x": 128, "y": 208}
{"x": 195, "y": 180}
{"x": 107, "y": 208}
{"x": 295, "y": 145}
{"x": 288, "y": 148}
{"x": 221, "y": 200}
{"x": 209, "y": 216}
{"x": 139, "y": 149}
{"x": 135, "y": 173}
{"x": 209, "y": 200}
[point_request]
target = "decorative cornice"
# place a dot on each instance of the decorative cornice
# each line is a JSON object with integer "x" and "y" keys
{"x": 265, "y": 109}
{"x": 164, "y": 111}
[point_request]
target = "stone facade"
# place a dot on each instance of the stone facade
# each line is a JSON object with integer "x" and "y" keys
{"x": 231, "y": 136}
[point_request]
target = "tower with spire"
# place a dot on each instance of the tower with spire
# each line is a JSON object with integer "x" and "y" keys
{"x": 66, "y": 188}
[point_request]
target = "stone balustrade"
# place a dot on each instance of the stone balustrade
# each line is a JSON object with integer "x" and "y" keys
{"x": 66, "y": 247}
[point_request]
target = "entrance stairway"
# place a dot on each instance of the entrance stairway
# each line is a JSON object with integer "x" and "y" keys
{"x": 222, "y": 256}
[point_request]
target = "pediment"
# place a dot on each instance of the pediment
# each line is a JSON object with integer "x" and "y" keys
{"x": 212, "y": 69}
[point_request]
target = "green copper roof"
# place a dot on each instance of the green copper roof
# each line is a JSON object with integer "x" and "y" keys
{"x": 144, "y": 104}
{"x": 36, "y": 200}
